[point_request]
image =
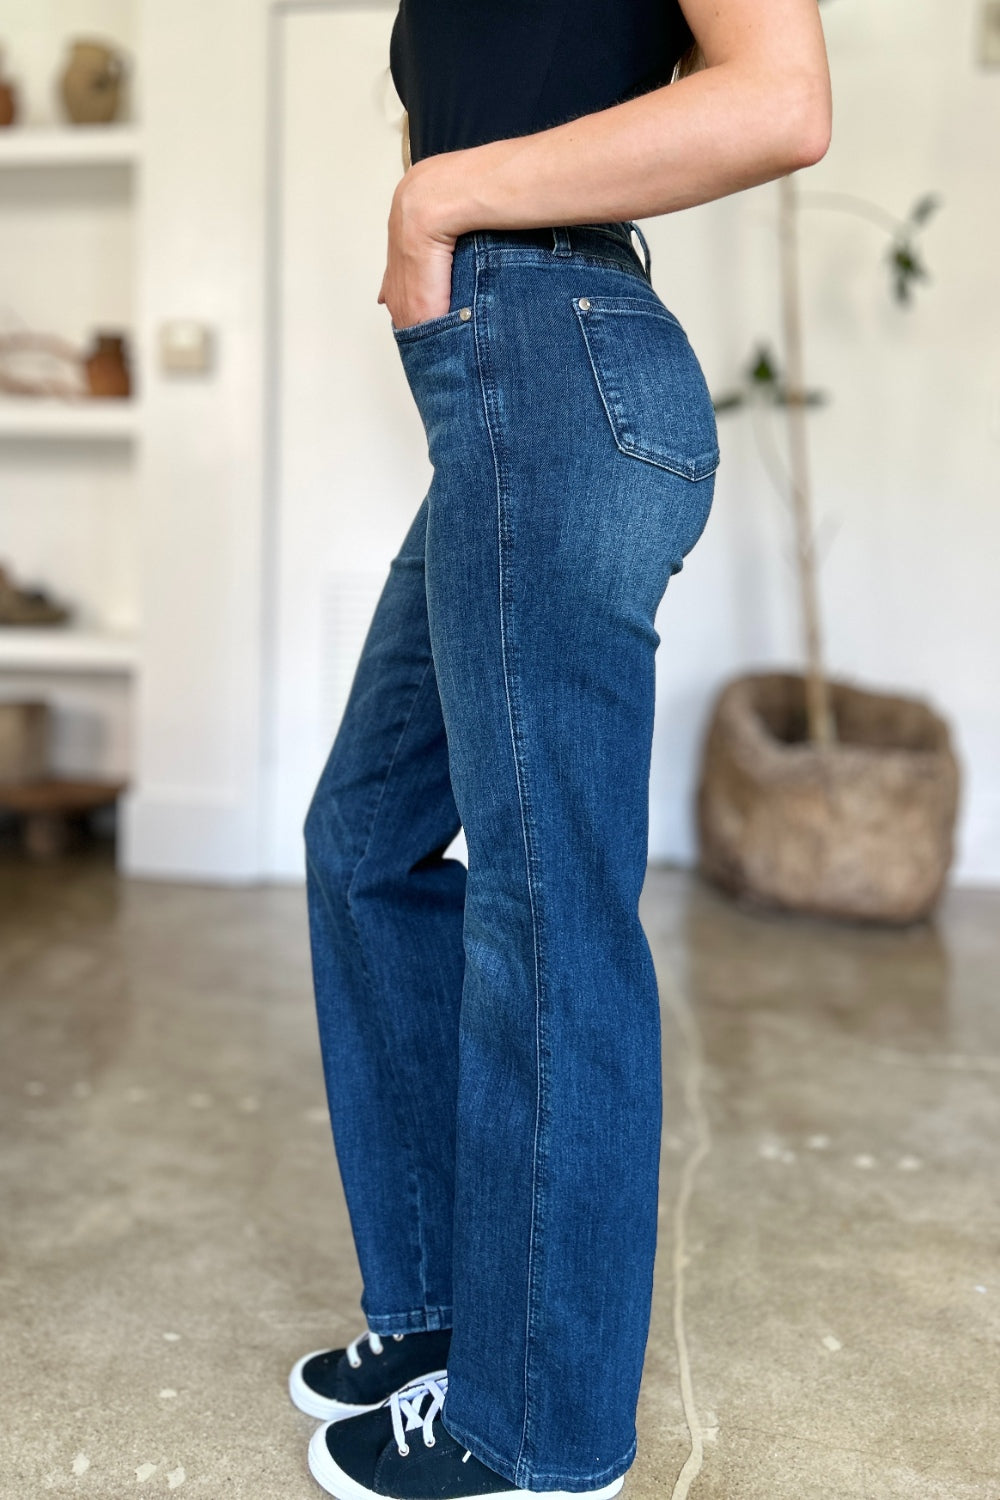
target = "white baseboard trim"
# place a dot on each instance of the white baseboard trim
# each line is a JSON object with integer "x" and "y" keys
{"x": 189, "y": 835}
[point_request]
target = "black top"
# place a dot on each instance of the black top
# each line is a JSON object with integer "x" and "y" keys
{"x": 471, "y": 71}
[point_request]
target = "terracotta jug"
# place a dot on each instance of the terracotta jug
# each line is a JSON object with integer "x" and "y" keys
{"x": 90, "y": 84}
{"x": 107, "y": 366}
{"x": 8, "y": 99}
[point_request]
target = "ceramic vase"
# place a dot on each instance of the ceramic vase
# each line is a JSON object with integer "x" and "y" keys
{"x": 8, "y": 99}
{"x": 90, "y": 84}
{"x": 106, "y": 364}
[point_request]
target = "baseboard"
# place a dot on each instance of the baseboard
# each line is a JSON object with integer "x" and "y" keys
{"x": 188, "y": 834}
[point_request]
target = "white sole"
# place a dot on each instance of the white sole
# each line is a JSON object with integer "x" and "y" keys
{"x": 324, "y": 1408}
{"x": 315, "y": 1405}
{"x": 333, "y": 1479}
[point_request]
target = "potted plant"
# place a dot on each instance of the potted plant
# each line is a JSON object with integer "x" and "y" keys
{"x": 816, "y": 795}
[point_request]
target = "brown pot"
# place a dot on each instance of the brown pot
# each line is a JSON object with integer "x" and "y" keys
{"x": 25, "y": 730}
{"x": 8, "y": 103}
{"x": 90, "y": 84}
{"x": 862, "y": 829}
{"x": 107, "y": 366}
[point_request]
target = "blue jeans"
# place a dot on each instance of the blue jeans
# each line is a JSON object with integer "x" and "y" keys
{"x": 490, "y": 1038}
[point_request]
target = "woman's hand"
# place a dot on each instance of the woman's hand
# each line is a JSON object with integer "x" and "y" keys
{"x": 417, "y": 281}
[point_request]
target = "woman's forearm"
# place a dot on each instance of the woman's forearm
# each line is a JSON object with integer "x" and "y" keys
{"x": 720, "y": 130}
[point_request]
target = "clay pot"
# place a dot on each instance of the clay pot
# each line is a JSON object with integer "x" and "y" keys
{"x": 107, "y": 366}
{"x": 862, "y": 829}
{"x": 90, "y": 84}
{"x": 25, "y": 732}
{"x": 8, "y": 103}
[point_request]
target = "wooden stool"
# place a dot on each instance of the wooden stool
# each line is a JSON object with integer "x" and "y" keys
{"x": 47, "y": 808}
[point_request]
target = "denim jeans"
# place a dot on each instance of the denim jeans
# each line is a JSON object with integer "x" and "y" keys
{"x": 490, "y": 1038}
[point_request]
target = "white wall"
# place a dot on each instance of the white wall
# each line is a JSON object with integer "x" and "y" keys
{"x": 905, "y": 459}
{"x": 195, "y": 811}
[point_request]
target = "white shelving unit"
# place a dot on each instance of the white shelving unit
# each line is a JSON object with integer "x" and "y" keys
{"x": 101, "y": 420}
{"x": 62, "y": 648}
{"x": 87, "y": 668}
{"x": 67, "y": 146}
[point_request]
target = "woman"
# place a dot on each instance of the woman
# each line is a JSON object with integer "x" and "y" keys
{"x": 490, "y": 1039}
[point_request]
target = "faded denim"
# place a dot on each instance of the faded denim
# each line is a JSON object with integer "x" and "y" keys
{"x": 491, "y": 1040}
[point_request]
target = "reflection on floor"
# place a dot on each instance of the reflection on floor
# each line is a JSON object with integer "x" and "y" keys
{"x": 827, "y": 1313}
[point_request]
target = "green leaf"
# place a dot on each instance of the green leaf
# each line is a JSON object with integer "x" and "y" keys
{"x": 763, "y": 369}
{"x": 908, "y": 262}
{"x": 924, "y": 208}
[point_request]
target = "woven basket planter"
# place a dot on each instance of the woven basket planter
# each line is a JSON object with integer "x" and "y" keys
{"x": 861, "y": 830}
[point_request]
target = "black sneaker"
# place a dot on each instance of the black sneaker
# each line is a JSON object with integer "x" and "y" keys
{"x": 375, "y": 1455}
{"x": 338, "y": 1383}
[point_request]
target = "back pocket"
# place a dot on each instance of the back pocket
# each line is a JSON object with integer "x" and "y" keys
{"x": 650, "y": 383}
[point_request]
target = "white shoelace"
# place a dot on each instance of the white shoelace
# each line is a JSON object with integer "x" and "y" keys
{"x": 406, "y": 1403}
{"x": 374, "y": 1343}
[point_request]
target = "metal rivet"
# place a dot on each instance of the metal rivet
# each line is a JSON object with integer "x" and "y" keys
{"x": 465, "y": 314}
{"x": 584, "y": 304}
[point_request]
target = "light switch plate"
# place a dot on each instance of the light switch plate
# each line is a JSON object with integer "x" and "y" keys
{"x": 989, "y": 33}
{"x": 185, "y": 347}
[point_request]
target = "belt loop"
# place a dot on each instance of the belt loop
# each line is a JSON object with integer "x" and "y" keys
{"x": 645, "y": 249}
{"x": 561, "y": 242}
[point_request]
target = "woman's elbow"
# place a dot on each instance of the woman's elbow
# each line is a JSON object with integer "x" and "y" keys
{"x": 811, "y": 143}
{"x": 809, "y": 123}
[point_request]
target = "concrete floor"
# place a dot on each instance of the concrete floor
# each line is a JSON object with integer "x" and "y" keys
{"x": 827, "y": 1313}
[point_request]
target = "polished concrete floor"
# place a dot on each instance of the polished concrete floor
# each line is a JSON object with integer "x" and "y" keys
{"x": 172, "y": 1235}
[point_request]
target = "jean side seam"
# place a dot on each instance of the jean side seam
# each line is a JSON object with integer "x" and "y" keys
{"x": 508, "y": 654}
{"x": 398, "y": 1092}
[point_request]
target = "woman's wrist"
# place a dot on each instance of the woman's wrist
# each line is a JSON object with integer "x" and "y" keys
{"x": 436, "y": 198}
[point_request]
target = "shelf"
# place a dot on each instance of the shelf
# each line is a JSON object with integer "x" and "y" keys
{"x": 69, "y": 145}
{"x": 57, "y": 648}
{"x": 43, "y": 417}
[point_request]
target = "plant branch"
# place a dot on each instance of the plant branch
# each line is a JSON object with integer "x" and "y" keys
{"x": 818, "y": 714}
{"x": 861, "y": 207}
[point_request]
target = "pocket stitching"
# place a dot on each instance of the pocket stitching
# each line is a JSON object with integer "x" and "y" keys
{"x": 429, "y": 326}
{"x": 699, "y": 467}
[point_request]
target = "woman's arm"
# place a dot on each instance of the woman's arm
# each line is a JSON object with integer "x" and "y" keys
{"x": 758, "y": 109}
